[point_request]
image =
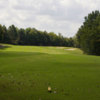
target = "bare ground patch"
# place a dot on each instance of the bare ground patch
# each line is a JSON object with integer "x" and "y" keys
{"x": 72, "y": 49}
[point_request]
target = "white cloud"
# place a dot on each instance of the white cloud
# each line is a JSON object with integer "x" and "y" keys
{"x": 64, "y": 16}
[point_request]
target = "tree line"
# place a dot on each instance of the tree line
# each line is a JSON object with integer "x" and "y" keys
{"x": 32, "y": 36}
{"x": 87, "y": 37}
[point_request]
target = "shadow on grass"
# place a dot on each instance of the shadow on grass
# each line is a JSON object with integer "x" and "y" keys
{"x": 19, "y": 54}
{"x": 4, "y": 46}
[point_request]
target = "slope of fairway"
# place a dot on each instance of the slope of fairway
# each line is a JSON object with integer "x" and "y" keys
{"x": 27, "y": 71}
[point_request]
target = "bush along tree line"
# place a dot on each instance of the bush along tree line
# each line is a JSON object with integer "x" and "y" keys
{"x": 88, "y": 35}
{"x": 32, "y": 36}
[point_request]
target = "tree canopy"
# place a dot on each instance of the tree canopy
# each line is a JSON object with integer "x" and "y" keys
{"x": 32, "y": 36}
{"x": 88, "y": 35}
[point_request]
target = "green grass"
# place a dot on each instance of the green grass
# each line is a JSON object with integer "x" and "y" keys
{"x": 27, "y": 71}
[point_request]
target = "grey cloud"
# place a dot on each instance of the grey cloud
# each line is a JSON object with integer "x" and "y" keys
{"x": 3, "y": 4}
{"x": 62, "y": 13}
{"x": 64, "y": 16}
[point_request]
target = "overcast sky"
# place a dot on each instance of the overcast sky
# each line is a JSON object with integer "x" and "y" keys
{"x": 59, "y": 16}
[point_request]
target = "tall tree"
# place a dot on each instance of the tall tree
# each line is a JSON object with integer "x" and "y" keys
{"x": 13, "y": 34}
{"x": 89, "y": 34}
{"x": 21, "y": 36}
{"x": 1, "y": 33}
{"x": 6, "y": 38}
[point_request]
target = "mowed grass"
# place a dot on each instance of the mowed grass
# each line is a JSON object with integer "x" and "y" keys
{"x": 27, "y": 71}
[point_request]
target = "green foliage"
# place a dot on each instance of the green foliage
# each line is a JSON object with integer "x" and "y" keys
{"x": 88, "y": 35}
{"x": 32, "y": 36}
{"x": 13, "y": 34}
{"x": 1, "y": 33}
{"x": 22, "y": 36}
{"x": 76, "y": 43}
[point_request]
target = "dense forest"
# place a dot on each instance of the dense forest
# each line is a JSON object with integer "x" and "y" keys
{"x": 88, "y": 35}
{"x": 32, "y": 36}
